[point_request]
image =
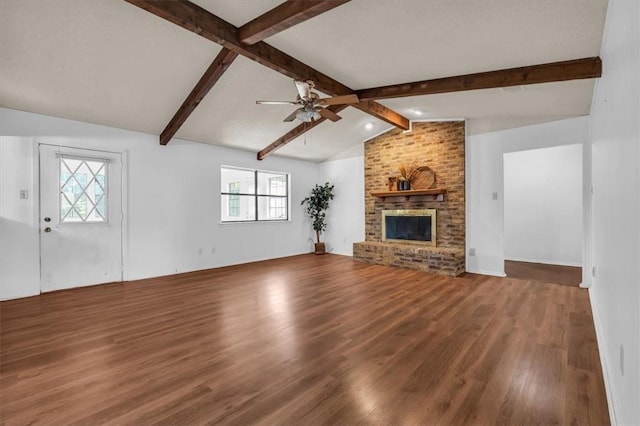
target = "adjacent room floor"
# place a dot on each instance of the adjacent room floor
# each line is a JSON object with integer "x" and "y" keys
{"x": 556, "y": 274}
{"x": 303, "y": 340}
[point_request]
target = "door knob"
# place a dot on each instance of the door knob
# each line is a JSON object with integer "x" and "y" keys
{"x": 47, "y": 229}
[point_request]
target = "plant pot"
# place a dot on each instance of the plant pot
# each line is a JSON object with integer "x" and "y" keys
{"x": 320, "y": 248}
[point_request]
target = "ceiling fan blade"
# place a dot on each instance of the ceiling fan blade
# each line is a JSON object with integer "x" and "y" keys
{"x": 328, "y": 114}
{"x": 337, "y": 100}
{"x": 292, "y": 116}
{"x": 303, "y": 89}
{"x": 276, "y": 103}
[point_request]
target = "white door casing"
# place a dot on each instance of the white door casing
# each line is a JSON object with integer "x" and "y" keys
{"x": 81, "y": 217}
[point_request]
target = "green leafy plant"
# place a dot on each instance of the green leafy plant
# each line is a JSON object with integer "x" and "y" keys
{"x": 316, "y": 206}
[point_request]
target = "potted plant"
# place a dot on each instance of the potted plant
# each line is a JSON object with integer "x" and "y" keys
{"x": 316, "y": 205}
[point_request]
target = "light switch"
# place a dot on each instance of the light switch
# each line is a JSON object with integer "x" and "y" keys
{"x": 24, "y": 194}
{"x": 494, "y": 195}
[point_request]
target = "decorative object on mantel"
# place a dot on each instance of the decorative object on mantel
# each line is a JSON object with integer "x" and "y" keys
{"x": 393, "y": 182}
{"x": 437, "y": 194}
{"x": 408, "y": 172}
{"x": 425, "y": 178}
{"x": 404, "y": 185}
{"x": 317, "y": 204}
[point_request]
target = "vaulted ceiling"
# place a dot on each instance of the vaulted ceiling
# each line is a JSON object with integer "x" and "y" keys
{"x": 110, "y": 62}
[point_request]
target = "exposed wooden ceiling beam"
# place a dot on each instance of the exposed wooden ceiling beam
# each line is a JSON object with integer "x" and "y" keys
{"x": 535, "y": 74}
{"x": 277, "y": 19}
{"x": 207, "y": 81}
{"x": 295, "y": 132}
{"x": 193, "y": 18}
{"x": 284, "y": 16}
{"x": 383, "y": 113}
{"x": 200, "y": 21}
{"x": 545, "y": 73}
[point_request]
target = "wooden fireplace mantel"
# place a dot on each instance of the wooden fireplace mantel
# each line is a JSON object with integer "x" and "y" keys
{"x": 437, "y": 194}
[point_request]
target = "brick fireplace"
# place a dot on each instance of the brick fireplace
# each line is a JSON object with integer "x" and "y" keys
{"x": 440, "y": 146}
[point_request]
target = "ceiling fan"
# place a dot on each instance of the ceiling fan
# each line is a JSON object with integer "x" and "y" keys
{"x": 312, "y": 106}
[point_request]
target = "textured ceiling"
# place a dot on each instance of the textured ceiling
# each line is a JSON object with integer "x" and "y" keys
{"x": 111, "y": 63}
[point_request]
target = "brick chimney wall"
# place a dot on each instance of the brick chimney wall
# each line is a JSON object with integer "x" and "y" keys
{"x": 439, "y": 145}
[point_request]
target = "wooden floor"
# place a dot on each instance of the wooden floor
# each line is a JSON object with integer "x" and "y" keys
{"x": 302, "y": 341}
{"x": 556, "y": 274}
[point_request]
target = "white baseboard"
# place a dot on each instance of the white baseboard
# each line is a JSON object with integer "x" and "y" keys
{"x": 5, "y": 297}
{"x": 603, "y": 361}
{"x": 339, "y": 253}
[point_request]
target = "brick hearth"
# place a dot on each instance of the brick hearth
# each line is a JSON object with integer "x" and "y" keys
{"x": 443, "y": 261}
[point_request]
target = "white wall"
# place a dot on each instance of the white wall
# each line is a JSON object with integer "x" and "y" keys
{"x": 345, "y": 217}
{"x": 485, "y": 177}
{"x": 543, "y": 205}
{"x": 615, "y": 131}
{"x": 173, "y": 202}
{"x": 19, "y": 272}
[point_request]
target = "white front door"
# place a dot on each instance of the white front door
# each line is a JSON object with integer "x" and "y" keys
{"x": 80, "y": 217}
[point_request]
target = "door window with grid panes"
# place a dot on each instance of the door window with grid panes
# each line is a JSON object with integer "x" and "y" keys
{"x": 83, "y": 190}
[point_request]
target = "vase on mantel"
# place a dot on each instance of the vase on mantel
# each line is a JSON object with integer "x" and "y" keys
{"x": 404, "y": 185}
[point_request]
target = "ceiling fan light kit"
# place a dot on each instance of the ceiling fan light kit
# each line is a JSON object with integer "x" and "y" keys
{"x": 312, "y": 106}
{"x": 307, "y": 114}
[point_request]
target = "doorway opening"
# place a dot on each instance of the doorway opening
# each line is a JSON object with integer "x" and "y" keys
{"x": 543, "y": 214}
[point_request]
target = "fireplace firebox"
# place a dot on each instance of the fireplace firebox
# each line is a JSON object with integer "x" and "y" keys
{"x": 409, "y": 226}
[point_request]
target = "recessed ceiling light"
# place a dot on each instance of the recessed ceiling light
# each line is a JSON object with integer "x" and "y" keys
{"x": 368, "y": 126}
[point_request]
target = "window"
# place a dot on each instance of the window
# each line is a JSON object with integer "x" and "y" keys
{"x": 277, "y": 206}
{"x": 253, "y": 195}
{"x": 83, "y": 190}
{"x": 234, "y": 200}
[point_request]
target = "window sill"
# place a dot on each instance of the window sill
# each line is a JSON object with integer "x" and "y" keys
{"x": 244, "y": 222}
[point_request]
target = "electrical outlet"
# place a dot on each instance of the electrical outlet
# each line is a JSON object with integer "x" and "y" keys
{"x": 24, "y": 194}
{"x": 593, "y": 272}
{"x": 494, "y": 195}
{"x": 472, "y": 252}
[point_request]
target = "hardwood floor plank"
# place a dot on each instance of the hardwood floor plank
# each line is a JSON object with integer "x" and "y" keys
{"x": 583, "y": 349}
{"x": 583, "y": 388}
{"x": 303, "y": 340}
{"x": 544, "y": 387}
